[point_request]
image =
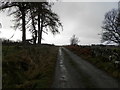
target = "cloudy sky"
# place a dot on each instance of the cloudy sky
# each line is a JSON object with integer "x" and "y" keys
{"x": 84, "y": 19}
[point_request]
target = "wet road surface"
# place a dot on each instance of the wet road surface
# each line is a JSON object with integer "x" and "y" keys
{"x": 73, "y": 72}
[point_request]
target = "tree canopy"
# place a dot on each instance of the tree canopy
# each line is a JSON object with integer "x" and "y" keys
{"x": 37, "y": 17}
{"x": 111, "y": 27}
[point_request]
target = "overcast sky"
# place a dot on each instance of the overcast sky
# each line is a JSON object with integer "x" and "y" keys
{"x": 84, "y": 19}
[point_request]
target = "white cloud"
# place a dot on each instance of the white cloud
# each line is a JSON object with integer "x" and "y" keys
{"x": 80, "y": 18}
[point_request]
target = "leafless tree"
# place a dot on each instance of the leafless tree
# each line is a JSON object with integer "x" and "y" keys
{"x": 74, "y": 40}
{"x": 111, "y": 27}
{"x": 29, "y": 14}
{"x": 19, "y": 12}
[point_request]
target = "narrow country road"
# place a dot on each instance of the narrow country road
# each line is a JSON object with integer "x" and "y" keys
{"x": 73, "y": 72}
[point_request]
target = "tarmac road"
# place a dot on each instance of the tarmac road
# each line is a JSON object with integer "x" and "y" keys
{"x": 74, "y": 72}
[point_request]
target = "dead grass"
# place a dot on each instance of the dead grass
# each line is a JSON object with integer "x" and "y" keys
{"x": 29, "y": 67}
{"x": 98, "y": 61}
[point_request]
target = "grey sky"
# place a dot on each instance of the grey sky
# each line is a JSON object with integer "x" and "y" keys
{"x": 84, "y": 19}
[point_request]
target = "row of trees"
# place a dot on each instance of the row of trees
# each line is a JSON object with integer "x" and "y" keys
{"x": 37, "y": 17}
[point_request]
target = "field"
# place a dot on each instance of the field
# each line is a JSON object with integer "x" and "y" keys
{"x": 100, "y": 58}
{"x": 31, "y": 66}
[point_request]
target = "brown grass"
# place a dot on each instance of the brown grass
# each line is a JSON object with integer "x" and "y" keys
{"x": 98, "y": 61}
{"x": 29, "y": 67}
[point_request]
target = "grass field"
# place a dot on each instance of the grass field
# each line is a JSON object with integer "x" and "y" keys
{"x": 28, "y": 67}
{"x": 98, "y": 61}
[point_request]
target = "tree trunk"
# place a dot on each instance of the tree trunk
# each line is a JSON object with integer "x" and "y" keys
{"x": 39, "y": 39}
{"x": 35, "y": 37}
{"x": 34, "y": 29}
{"x": 41, "y": 29}
{"x": 23, "y": 26}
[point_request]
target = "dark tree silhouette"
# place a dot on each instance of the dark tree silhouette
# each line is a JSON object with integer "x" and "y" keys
{"x": 46, "y": 19}
{"x": 34, "y": 30}
{"x": 22, "y": 7}
{"x": 111, "y": 27}
{"x": 74, "y": 40}
{"x": 36, "y": 13}
{"x": 19, "y": 13}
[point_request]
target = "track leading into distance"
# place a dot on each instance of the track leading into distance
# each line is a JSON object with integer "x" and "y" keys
{"x": 74, "y": 72}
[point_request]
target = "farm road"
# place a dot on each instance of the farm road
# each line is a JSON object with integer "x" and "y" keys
{"x": 73, "y": 72}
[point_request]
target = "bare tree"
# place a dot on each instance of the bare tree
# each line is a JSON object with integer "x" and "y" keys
{"x": 47, "y": 20}
{"x": 19, "y": 12}
{"x": 31, "y": 14}
{"x": 111, "y": 27}
{"x": 74, "y": 40}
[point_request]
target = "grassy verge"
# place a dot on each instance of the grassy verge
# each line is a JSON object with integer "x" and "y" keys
{"x": 98, "y": 61}
{"x": 28, "y": 67}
